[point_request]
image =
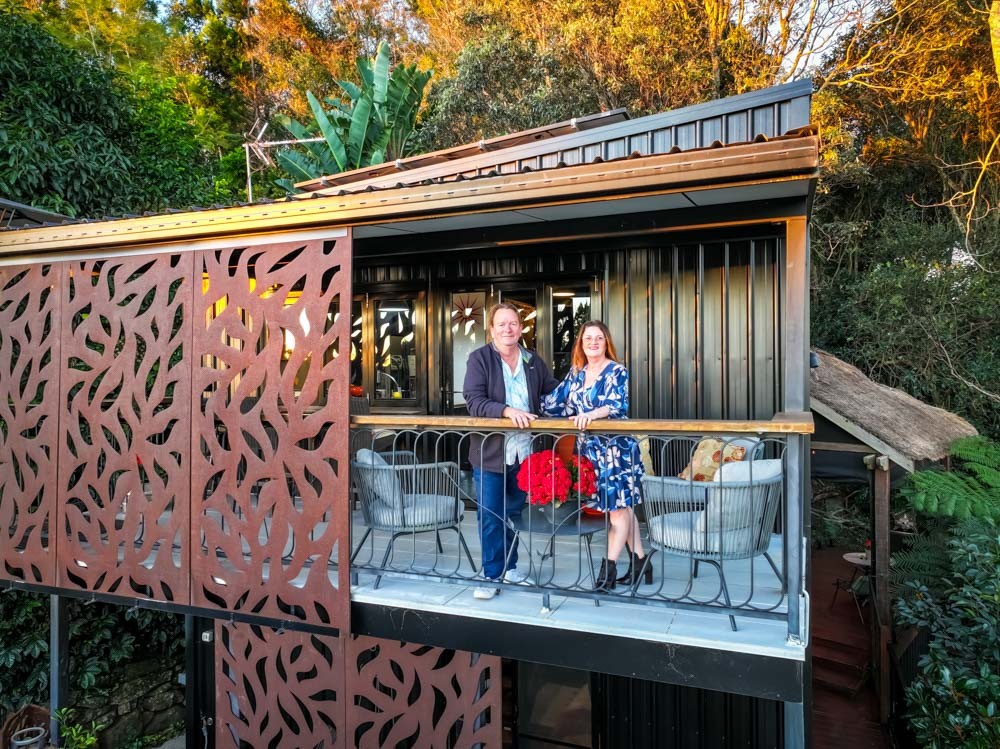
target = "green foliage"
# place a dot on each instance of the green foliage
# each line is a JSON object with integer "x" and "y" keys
{"x": 502, "y": 84}
{"x": 169, "y": 164}
{"x": 372, "y": 126}
{"x": 970, "y": 489}
{"x": 954, "y": 701}
{"x": 925, "y": 558}
{"x": 80, "y": 139}
{"x": 76, "y": 735}
{"x": 101, "y": 637}
{"x": 62, "y": 125}
{"x": 24, "y": 650}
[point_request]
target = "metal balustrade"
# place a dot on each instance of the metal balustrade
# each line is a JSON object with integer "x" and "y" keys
{"x": 720, "y": 545}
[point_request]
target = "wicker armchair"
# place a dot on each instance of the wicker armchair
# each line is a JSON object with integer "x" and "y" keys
{"x": 402, "y": 497}
{"x": 733, "y": 520}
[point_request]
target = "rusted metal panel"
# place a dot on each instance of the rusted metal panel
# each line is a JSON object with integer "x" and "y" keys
{"x": 125, "y": 394}
{"x": 404, "y": 694}
{"x": 277, "y": 689}
{"x": 270, "y": 527}
{"x": 29, "y": 389}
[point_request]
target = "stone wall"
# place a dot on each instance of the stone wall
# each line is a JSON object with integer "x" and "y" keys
{"x": 145, "y": 699}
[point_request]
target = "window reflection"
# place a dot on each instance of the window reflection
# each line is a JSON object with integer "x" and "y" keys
{"x": 570, "y": 310}
{"x": 527, "y": 309}
{"x": 395, "y": 350}
{"x": 357, "y": 339}
{"x": 468, "y": 332}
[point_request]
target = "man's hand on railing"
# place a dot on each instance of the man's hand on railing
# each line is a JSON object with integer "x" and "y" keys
{"x": 520, "y": 419}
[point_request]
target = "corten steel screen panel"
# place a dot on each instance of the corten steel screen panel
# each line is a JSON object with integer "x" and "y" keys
{"x": 29, "y": 421}
{"x": 269, "y": 529}
{"x": 125, "y": 427}
{"x": 285, "y": 689}
{"x": 402, "y": 692}
{"x": 277, "y": 689}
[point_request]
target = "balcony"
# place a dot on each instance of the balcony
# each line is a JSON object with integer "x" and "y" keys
{"x": 725, "y": 573}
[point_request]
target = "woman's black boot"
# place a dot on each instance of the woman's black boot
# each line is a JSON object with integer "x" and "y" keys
{"x": 607, "y": 577}
{"x": 640, "y": 567}
{"x": 627, "y": 577}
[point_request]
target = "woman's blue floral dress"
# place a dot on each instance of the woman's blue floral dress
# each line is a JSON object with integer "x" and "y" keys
{"x": 615, "y": 458}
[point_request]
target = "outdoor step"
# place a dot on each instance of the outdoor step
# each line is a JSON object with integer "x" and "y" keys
{"x": 839, "y": 656}
{"x": 838, "y": 680}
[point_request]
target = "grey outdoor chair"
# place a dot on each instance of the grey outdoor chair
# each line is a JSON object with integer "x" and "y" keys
{"x": 729, "y": 521}
{"x": 402, "y": 497}
{"x": 671, "y": 456}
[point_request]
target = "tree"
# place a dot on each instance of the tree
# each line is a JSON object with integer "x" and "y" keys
{"x": 373, "y": 125}
{"x": 652, "y": 55}
{"x": 77, "y": 138}
{"x": 924, "y": 76}
{"x": 63, "y": 125}
{"x": 502, "y": 84}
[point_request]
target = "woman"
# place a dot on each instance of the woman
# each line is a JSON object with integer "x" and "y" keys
{"x": 502, "y": 380}
{"x": 597, "y": 388}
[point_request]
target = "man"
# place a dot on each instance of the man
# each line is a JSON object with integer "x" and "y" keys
{"x": 502, "y": 380}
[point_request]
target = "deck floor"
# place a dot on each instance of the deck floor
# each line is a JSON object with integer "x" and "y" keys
{"x": 422, "y": 578}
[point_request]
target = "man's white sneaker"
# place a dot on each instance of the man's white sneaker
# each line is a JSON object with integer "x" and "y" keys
{"x": 515, "y": 576}
{"x": 485, "y": 593}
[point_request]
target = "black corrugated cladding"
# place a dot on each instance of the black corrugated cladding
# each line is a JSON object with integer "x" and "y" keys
{"x": 634, "y": 714}
{"x": 701, "y": 327}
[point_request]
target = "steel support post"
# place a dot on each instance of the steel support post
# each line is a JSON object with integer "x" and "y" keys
{"x": 58, "y": 662}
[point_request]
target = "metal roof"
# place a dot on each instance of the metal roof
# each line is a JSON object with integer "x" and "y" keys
{"x": 19, "y": 215}
{"x": 502, "y": 142}
{"x": 760, "y": 167}
{"x": 769, "y": 113}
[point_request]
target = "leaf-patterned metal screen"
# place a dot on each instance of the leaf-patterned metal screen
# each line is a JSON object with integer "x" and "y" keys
{"x": 173, "y": 427}
{"x": 282, "y": 689}
{"x": 29, "y": 420}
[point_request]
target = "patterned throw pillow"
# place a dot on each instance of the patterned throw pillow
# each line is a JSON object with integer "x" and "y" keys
{"x": 708, "y": 456}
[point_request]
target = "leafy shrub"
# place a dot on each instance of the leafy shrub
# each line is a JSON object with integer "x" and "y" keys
{"x": 76, "y": 735}
{"x": 954, "y": 701}
{"x": 101, "y": 636}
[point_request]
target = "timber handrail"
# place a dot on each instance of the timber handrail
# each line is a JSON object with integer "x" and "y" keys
{"x": 783, "y": 423}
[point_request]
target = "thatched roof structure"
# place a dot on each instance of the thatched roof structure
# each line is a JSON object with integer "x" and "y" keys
{"x": 898, "y": 425}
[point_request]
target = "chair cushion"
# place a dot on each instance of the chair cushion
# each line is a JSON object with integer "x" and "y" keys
{"x": 435, "y": 510}
{"x": 644, "y": 454}
{"x": 731, "y": 508}
{"x": 385, "y": 482}
{"x": 677, "y": 532}
{"x": 709, "y": 454}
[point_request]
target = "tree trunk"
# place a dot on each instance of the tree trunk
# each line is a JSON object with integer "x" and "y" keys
{"x": 995, "y": 35}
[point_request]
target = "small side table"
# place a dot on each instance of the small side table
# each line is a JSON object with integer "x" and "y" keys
{"x": 860, "y": 563}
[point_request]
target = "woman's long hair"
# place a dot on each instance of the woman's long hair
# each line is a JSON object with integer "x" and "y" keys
{"x": 580, "y": 358}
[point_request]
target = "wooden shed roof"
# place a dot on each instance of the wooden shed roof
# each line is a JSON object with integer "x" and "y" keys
{"x": 910, "y": 432}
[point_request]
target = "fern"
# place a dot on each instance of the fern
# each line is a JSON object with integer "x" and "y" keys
{"x": 926, "y": 558}
{"x": 971, "y": 489}
{"x": 977, "y": 449}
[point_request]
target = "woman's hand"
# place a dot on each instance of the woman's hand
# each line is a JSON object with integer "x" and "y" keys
{"x": 582, "y": 421}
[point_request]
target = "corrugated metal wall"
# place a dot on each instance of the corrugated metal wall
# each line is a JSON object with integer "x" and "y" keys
{"x": 632, "y": 713}
{"x": 697, "y": 322}
{"x": 700, "y": 324}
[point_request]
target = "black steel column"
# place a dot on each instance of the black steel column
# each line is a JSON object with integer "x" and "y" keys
{"x": 58, "y": 662}
{"x": 199, "y": 684}
{"x": 795, "y": 323}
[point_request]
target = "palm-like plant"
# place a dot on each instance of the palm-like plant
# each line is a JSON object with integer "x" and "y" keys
{"x": 373, "y": 125}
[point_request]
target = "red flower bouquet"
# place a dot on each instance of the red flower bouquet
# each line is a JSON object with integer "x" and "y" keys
{"x": 547, "y": 478}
